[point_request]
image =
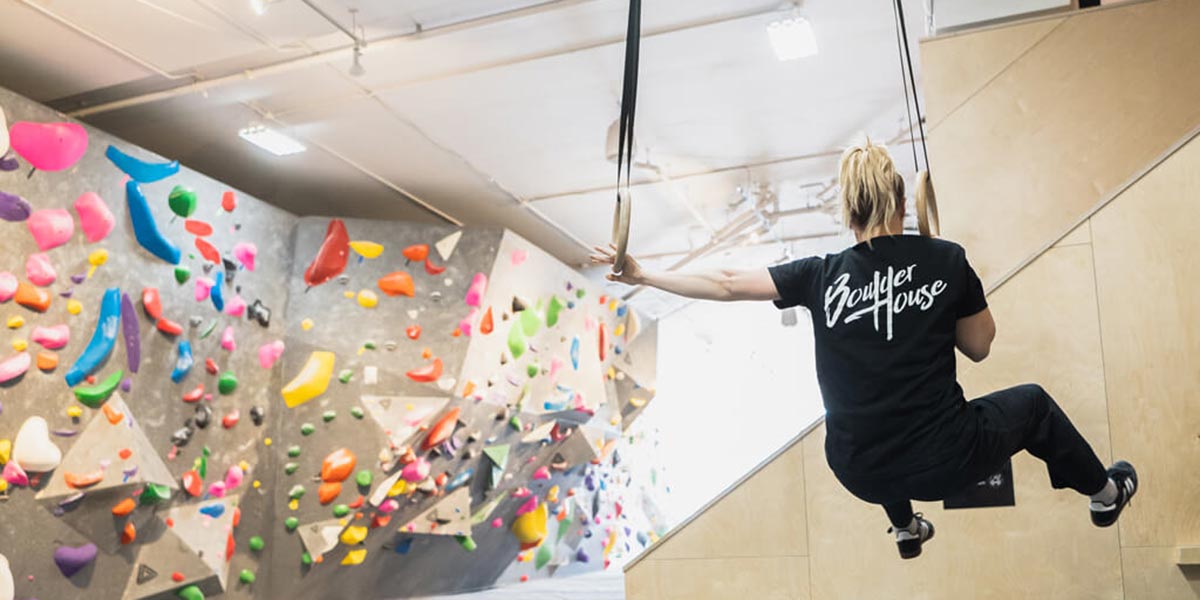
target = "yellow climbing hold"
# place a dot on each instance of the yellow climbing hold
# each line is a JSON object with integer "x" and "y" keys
{"x": 312, "y": 381}
{"x": 294, "y": 504}
{"x": 5, "y": 451}
{"x": 398, "y": 488}
{"x": 20, "y": 344}
{"x": 530, "y": 528}
{"x": 367, "y": 249}
{"x": 355, "y": 557}
{"x": 348, "y": 294}
{"x": 3, "y": 486}
{"x": 95, "y": 259}
{"x": 267, "y": 442}
{"x": 244, "y": 466}
{"x": 612, "y": 305}
{"x": 637, "y": 402}
{"x": 256, "y": 484}
{"x": 616, "y": 420}
{"x": 552, "y": 495}
{"x": 74, "y": 412}
{"x": 74, "y": 306}
{"x": 619, "y": 331}
{"x": 306, "y": 324}
{"x": 354, "y": 535}
{"x": 367, "y": 299}
{"x": 16, "y": 322}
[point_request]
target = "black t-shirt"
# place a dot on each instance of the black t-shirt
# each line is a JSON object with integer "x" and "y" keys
{"x": 884, "y": 320}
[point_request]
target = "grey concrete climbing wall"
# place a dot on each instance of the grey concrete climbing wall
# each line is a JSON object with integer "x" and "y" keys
{"x": 484, "y": 389}
{"x": 30, "y": 532}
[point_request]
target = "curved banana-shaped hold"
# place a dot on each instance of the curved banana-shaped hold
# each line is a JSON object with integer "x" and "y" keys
{"x": 312, "y": 381}
{"x": 145, "y": 229}
{"x": 140, "y": 170}
{"x": 183, "y": 364}
{"x": 131, "y": 332}
{"x": 103, "y": 339}
{"x": 217, "y": 294}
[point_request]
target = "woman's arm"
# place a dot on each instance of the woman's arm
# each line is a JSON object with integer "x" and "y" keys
{"x": 725, "y": 285}
{"x": 974, "y": 335}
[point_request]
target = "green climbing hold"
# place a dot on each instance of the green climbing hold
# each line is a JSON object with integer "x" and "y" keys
{"x": 208, "y": 331}
{"x": 544, "y": 554}
{"x": 246, "y": 576}
{"x": 580, "y": 293}
{"x": 356, "y": 412}
{"x": 202, "y": 465}
{"x": 297, "y": 492}
{"x": 532, "y": 370}
{"x": 94, "y": 396}
{"x": 531, "y": 322}
{"x": 227, "y": 383}
{"x": 291, "y": 523}
{"x": 340, "y": 510}
{"x": 294, "y": 451}
{"x": 329, "y": 415}
{"x": 346, "y": 375}
{"x": 290, "y": 468}
{"x": 467, "y": 542}
{"x": 182, "y": 201}
{"x": 552, "y": 311}
{"x": 363, "y": 479}
{"x": 516, "y": 341}
{"x": 369, "y": 345}
{"x": 515, "y": 422}
{"x": 306, "y": 429}
{"x": 182, "y": 274}
{"x": 154, "y": 493}
{"x": 306, "y": 559}
{"x": 190, "y": 592}
{"x": 257, "y": 543}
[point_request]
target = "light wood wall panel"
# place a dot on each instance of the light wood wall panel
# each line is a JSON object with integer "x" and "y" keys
{"x": 1042, "y": 547}
{"x": 761, "y": 517}
{"x": 1149, "y": 287}
{"x": 1092, "y": 102}
{"x": 956, "y": 66}
{"x": 762, "y": 578}
{"x": 1151, "y": 574}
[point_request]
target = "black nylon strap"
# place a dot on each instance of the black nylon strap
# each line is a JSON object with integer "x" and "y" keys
{"x": 633, "y": 36}
{"x": 906, "y": 58}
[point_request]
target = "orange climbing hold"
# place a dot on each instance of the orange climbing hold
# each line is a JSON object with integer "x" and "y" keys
{"x": 442, "y": 429}
{"x": 398, "y": 283}
{"x": 413, "y": 332}
{"x": 417, "y": 252}
{"x": 468, "y": 389}
{"x": 79, "y": 481}
{"x": 125, "y": 453}
{"x": 199, "y": 228}
{"x": 338, "y": 465}
{"x": 47, "y": 361}
{"x": 169, "y": 327}
{"x": 328, "y": 491}
{"x": 208, "y": 251}
{"x": 124, "y": 507}
{"x": 428, "y": 373}
{"x": 33, "y": 298}
{"x": 128, "y": 534}
{"x": 603, "y": 343}
{"x": 486, "y": 325}
{"x": 113, "y": 415}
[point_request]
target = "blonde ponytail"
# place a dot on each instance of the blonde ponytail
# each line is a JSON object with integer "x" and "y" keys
{"x": 872, "y": 191}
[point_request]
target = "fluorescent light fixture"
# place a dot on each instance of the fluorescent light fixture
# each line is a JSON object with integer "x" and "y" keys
{"x": 792, "y": 38}
{"x": 272, "y": 141}
{"x": 259, "y": 7}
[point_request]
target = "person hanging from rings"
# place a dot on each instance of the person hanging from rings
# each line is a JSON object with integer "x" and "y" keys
{"x": 887, "y": 315}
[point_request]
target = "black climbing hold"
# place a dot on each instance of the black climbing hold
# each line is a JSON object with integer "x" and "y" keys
{"x": 257, "y": 415}
{"x": 203, "y": 416}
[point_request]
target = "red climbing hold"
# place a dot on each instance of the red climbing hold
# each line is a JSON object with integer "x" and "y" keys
{"x": 428, "y": 373}
{"x": 417, "y": 252}
{"x": 152, "y": 302}
{"x": 231, "y": 419}
{"x": 199, "y": 228}
{"x": 442, "y": 429}
{"x": 433, "y": 269}
{"x": 195, "y": 395}
{"x": 169, "y": 327}
{"x": 210, "y": 365}
{"x": 413, "y": 332}
{"x": 193, "y": 484}
{"x": 208, "y": 251}
{"x": 228, "y": 201}
{"x": 331, "y": 258}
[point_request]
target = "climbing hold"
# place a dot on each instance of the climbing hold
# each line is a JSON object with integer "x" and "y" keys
{"x": 50, "y": 227}
{"x": 328, "y": 415}
{"x": 145, "y": 230}
{"x": 131, "y": 332}
{"x": 192, "y": 483}
{"x": 338, "y": 465}
{"x": 363, "y": 479}
{"x": 72, "y": 559}
{"x": 530, "y": 527}
{"x": 208, "y": 251}
{"x": 331, "y": 258}
{"x": 516, "y": 341}
{"x": 552, "y": 310}
{"x": 227, "y": 383}
{"x": 397, "y": 283}
{"x": 433, "y": 269}
{"x": 139, "y": 170}
{"x": 217, "y": 293}
{"x": 199, "y": 228}
{"x": 293, "y": 451}
{"x": 257, "y": 543}
{"x": 367, "y": 249}
{"x": 80, "y": 481}
{"x": 477, "y": 290}
{"x": 14, "y": 208}
{"x": 235, "y": 307}
{"x": 306, "y": 324}
{"x": 416, "y": 252}
{"x": 355, "y": 557}
{"x": 14, "y": 366}
{"x": 415, "y": 471}
{"x": 204, "y": 287}
{"x": 183, "y": 363}
{"x": 575, "y": 352}
{"x": 38, "y": 300}
{"x": 541, "y": 473}
{"x": 182, "y": 201}
{"x": 182, "y": 274}
{"x": 49, "y": 146}
{"x": 307, "y": 429}
{"x": 291, "y": 523}
{"x": 227, "y": 341}
{"x": 269, "y": 353}
{"x": 353, "y": 535}
{"x": 8, "y": 286}
{"x": 14, "y": 474}
{"x": 47, "y": 361}
{"x": 486, "y": 325}
{"x": 191, "y": 592}
{"x": 155, "y": 493}
{"x": 442, "y": 429}
{"x": 33, "y": 449}
{"x": 246, "y": 576}
{"x": 257, "y": 414}
{"x": 129, "y": 534}
{"x": 16, "y": 322}
{"x": 367, "y": 299}
{"x": 428, "y": 373}
{"x": 312, "y": 381}
{"x": 94, "y": 396}
{"x": 230, "y": 419}
{"x": 413, "y": 332}
{"x": 124, "y": 507}
{"x": 228, "y": 201}
{"x": 103, "y": 338}
{"x": 39, "y": 270}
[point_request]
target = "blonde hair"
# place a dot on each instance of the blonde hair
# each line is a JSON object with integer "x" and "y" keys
{"x": 872, "y": 191}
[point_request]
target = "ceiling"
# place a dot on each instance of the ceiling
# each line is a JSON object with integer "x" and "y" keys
{"x": 490, "y": 111}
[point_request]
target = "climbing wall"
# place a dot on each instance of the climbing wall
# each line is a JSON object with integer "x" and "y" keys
{"x": 280, "y": 407}
{"x": 146, "y": 436}
{"x": 1102, "y": 315}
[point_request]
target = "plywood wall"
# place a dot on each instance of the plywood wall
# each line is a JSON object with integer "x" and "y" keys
{"x": 1104, "y": 318}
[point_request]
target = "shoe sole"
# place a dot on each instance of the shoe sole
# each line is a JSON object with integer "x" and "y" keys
{"x": 1116, "y": 513}
{"x": 913, "y": 553}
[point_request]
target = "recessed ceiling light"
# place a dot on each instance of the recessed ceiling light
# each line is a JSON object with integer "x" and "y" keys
{"x": 792, "y": 38}
{"x": 272, "y": 141}
{"x": 260, "y": 6}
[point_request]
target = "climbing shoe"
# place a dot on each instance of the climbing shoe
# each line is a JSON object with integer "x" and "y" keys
{"x": 909, "y": 540}
{"x": 1125, "y": 477}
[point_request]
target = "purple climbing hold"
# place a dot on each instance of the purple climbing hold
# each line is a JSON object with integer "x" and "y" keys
{"x": 9, "y": 163}
{"x": 14, "y": 208}
{"x": 73, "y": 559}
{"x": 131, "y": 332}
{"x": 126, "y": 385}
{"x": 581, "y": 556}
{"x": 79, "y": 278}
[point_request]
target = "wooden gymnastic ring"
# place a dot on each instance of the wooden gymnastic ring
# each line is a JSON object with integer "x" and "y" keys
{"x": 620, "y": 229}
{"x": 927, "y": 211}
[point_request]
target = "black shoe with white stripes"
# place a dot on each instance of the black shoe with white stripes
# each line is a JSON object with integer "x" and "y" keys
{"x": 1125, "y": 477}
{"x": 909, "y": 540}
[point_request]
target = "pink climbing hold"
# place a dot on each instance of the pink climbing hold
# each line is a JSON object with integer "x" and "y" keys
{"x": 465, "y": 324}
{"x": 51, "y": 227}
{"x": 39, "y": 271}
{"x": 269, "y": 353}
{"x": 235, "y": 306}
{"x": 415, "y": 471}
{"x": 518, "y": 257}
{"x": 203, "y": 288}
{"x": 94, "y": 216}
{"x": 234, "y": 477}
{"x": 477, "y": 290}
{"x": 49, "y": 146}
{"x": 14, "y": 474}
{"x": 389, "y": 506}
{"x": 16, "y": 366}
{"x": 541, "y": 473}
{"x": 245, "y": 253}
{"x": 51, "y": 338}
{"x": 217, "y": 489}
{"x": 497, "y": 523}
{"x": 227, "y": 341}
{"x": 530, "y": 505}
{"x": 8, "y": 286}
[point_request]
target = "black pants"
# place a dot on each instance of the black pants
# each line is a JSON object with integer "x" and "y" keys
{"x": 1019, "y": 418}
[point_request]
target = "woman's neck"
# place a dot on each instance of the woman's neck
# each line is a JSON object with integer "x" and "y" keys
{"x": 896, "y": 227}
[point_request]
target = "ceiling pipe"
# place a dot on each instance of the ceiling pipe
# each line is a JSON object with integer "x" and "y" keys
{"x": 332, "y": 21}
{"x": 347, "y": 51}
